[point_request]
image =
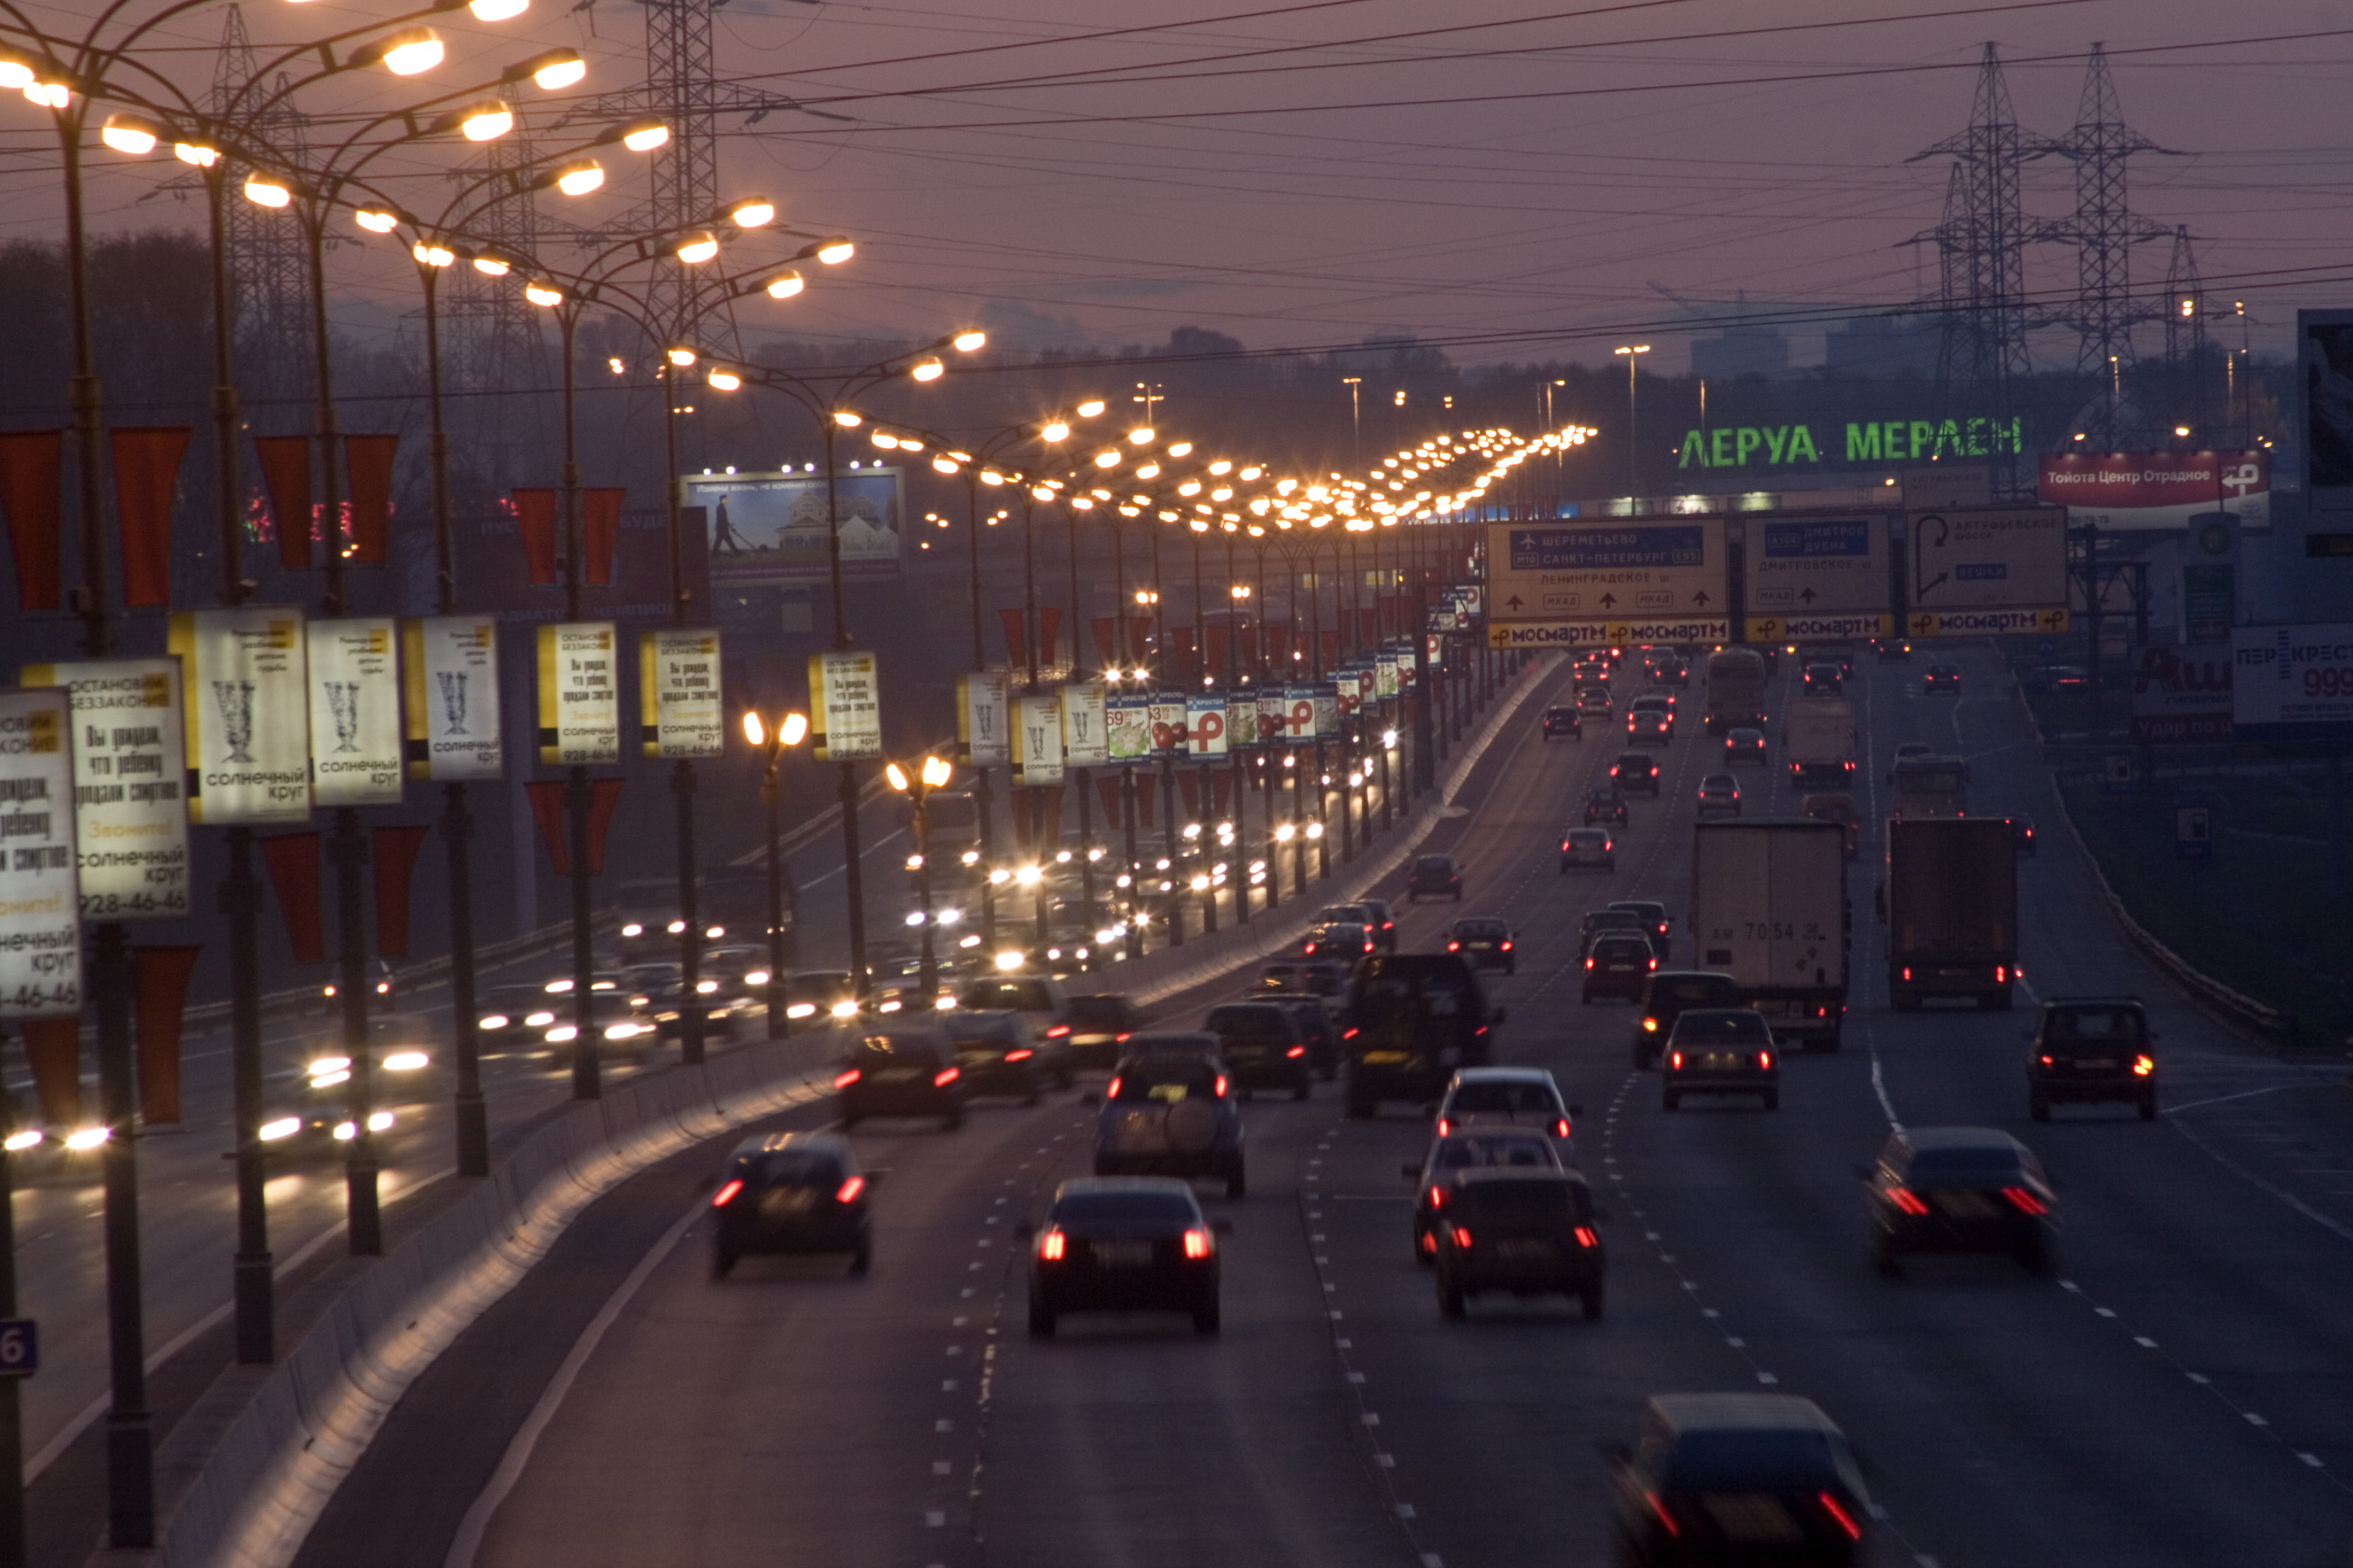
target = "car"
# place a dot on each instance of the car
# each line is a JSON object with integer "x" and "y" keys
{"x": 1906, "y": 751}
{"x": 1661, "y": 925}
{"x": 1487, "y": 942}
{"x": 900, "y": 1071}
{"x": 1958, "y": 1189}
{"x": 1526, "y": 1148}
{"x": 1508, "y": 1097}
{"x": 1561, "y": 719}
{"x": 1744, "y": 745}
{"x": 1732, "y": 1479}
{"x": 1657, "y": 704}
{"x": 1666, "y": 994}
{"x": 1525, "y": 1232}
{"x": 2022, "y": 835}
{"x": 1891, "y": 650}
{"x": 1123, "y": 1244}
{"x": 742, "y": 971}
{"x": 1590, "y": 672}
{"x": 1588, "y": 850}
{"x": 1324, "y": 980}
{"x": 1171, "y": 1111}
{"x": 1720, "y": 1050}
{"x": 1618, "y": 965}
{"x": 819, "y": 993}
{"x": 1414, "y": 1019}
{"x": 1649, "y": 725}
{"x": 1719, "y": 796}
{"x": 1261, "y": 1047}
{"x": 658, "y": 989}
{"x": 1617, "y": 919}
{"x": 2072, "y": 678}
{"x": 1041, "y": 999}
{"x": 512, "y": 1015}
{"x": 1636, "y": 771}
{"x": 623, "y": 1028}
{"x": 1370, "y": 913}
{"x": 1838, "y": 808}
{"x": 999, "y": 1055}
{"x": 1824, "y": 680}
{"x": 1941, "y": 678}
{"x": 2088, "y": 1051}
{"x": 1099, "y": 1027}
{"x": 792, "y": 1192}
{"x": 1592, "y": 702}
{"x": 1434, "y": 875}
{"x": 310, "y": 1118}
{"x": 1676, "y": 672}
{"x": 1345, "y": 942}
{"x": 1605, "y": 805}
{"x": 1839, "y": 654}
{"x": 1316, "y": 1027}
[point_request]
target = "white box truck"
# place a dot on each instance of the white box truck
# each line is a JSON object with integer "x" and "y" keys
{"x": 1821, "y": 743}
{"x": 1769, "y": 907}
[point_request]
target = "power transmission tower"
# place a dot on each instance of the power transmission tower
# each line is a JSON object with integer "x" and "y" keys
{"x": 2185, "y": 338}
{"x": 269, "y": 286}
{"x": 1981, "y": 252}
{"x": 495, "y": 348}
{"x": 2103, "y": 231}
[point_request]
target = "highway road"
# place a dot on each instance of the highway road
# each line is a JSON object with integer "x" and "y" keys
{"x": 2176, "y": 1391}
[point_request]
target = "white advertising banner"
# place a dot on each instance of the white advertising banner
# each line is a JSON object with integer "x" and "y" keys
{"x": 579, "y": 693}
{"x": 2292, "y": 683}
{"x": 678, "y": 693}
{"x": 451, "y": 693}
{"x": 1205, "y": 725}
{"x": 984, "y": 724}
{"x": 846, "y": 707}
{"x": 1127, "y": 728}
{"x": 1384, "y": 674}
{"x": 1166, "y": 718}
{"x": 1980, "y": 569}
{"x": 1038, "y": 738}
{"x": 354, "y": 711}
{"x": 40, "y": 904}
{"x": 1274, "y": 716}
{"x": 1241, "y": 721}
{"x": 130, "y": 761}
{"x": 1327, "y": 711}
{"x": 1299, "y": 712}
{"x": 1085, "y": 743}
{"x": 248, "y": 715}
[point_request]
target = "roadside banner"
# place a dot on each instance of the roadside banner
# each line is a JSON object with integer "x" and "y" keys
{"x": 356, "y": 718}
{"x": 984, "y": 726}
{"x": 1038, "y": 738}
{"x": 248, "y": 726}
{"x": 1084, "y": 744}
{"x": 452, "y": 694}
{"x": 1127, "y": 728}
{"x": 845, "y": 707}
{"x": 40, "y": 903}
{"x": 579, "y": 693}
{"x": 2292, "y": 683}
{"x": 681, "y": 712}
{"x": 129, "y": 763}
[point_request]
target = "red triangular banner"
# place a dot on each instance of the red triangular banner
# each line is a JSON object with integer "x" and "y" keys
{"x": 29, "y": 463}
{"x": 146, "y": 480}
{"x": 535, "y": 521}
{"x": 54, "y": 1048}
{"x": 286, "y": 475}
{"x": 1106, "y": 629}
{"x": 293, "y": 862}
{"x": 600, "y": 524}
{"x": 396, "y": 862}
{"x": 1050, "y": 629}
{"x": 367, "y": 465}
{"x": 162, "y": 999}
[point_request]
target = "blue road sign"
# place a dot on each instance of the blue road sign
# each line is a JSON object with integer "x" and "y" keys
{"x": 20, "y": 1347}
{"x": 2193, "y": 833}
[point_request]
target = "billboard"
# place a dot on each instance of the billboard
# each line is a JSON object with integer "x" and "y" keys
{"x": 845, "y": 707}
{"x": 249, "y": 715}
{"x": 679, "y": 713}
{"x": 2292, "y": 683}
{"x": 2324, "y": 406}
{"x": 356, "y": 718}
{"x": 131, "y": 814}
{"x": 2181, "y": 696}
{"x": 983, "y": 725}
{"x": 1979, "y": 570}
{"x": 579, "y": 693}
{"x": 1038, "y": 737}
{"x": 1815, "y": 576}
{"x": 2157, "y": 491}
{"x": 770, "y": 528}
{"x": 1567, "y": 585}
{"x": 452, "y": 693}
{"x": 40, "y": 903}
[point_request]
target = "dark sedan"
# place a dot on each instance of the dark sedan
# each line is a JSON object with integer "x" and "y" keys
{"x": 1721, "y": 1051}
{"x": 1562, "y": 719}
{"x": 1124, "y": 1244}
{"x": 1487, "y": 942}
{"x": 1605, "y": 805}
{"x": 1941, "y": 678}
{"x": 792, "y": 1191}
{"x": 1526, "y": 1148}
{"x": 1636, "y": 771}
{"x": 1522, "y": 1232}
{"x": 1958, "y": 1189}
{"x": 1261, "y": 1047}
{"x": 1434, "y": 876}
{"x": 902, "y": 1072}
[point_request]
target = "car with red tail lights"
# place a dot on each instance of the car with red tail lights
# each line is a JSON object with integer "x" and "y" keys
{"x": 1413, "y": 1019}
{"x": 1487, "y": 942}
{"x": 1530, "y": 1147}
{"x": 1508, "y": 1097}
{"x": 1171, "y": 1110}
{"x": 1720, "y": 1050}
{"x": 1511, "y": 1229}
{"x": 999, "y": 1055}
{"x": 1958, "y": 1189}
{"x": 792, "y": 1192}
{"x": 1262, "y": 1047}
{"x": 1123, "y": 1244}
{"x": 900, "y": 1072}
{"x": 1618, "y": 963}
{"x": 1738, "y": 1478}
{"x": 2090, "y": 1050}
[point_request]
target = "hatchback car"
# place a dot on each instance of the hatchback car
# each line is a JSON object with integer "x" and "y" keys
{"x": 1371, "y": 913}
{"x": 1721, "y": 1051}
{"x": 1650, "y": 724}
{"x": 1561, "y": 720}
{"x": 1434, "y": 876}
{"x": 1636, "y": 771}
{"x": 792, "y": 1191}
{"x": 1508, "y": 1097}
{"x": 1729, "y": 1478}
{"x": 1958, "y": 1189}
{"x": 1592, "y": 702}
{"x": 1170, "y": 1111}
{"x": 1261, "y": 1047}
{"x": 1587, "y": 849}
{"x": 1522, "y": 1148}
{"x": 1941, "y": 678}
{"x": 1618, "y": 965}
{"x": 1659, "y": 924}
{"x": 1824, "y": 680}
{"x": 1487, "y": 942}
{"x": 1001, "y": 1054}
{"x": 1891, "y": 650}
{"x": 2089, "y": 1051}
{"x": 1527, "y": 1232}
{"x": 1744, "y": 746}
{"x": 1327, "y": 982}
{"x": 1613, "y": 920}
{"x": 1345, "y": 942}
{"x": 1097, "y": 1027}
{"x": 1666, "y": 996}
{"x": 900, "y": 1072}
{"x": 1316, "y": 1026}
{"x": 1719, "y": 796}
{"x": 1123, "y": 1244}
{"x": 1605, "y": 805}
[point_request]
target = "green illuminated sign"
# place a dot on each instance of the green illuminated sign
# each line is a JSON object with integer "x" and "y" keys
{"x": 1871, "y": 441}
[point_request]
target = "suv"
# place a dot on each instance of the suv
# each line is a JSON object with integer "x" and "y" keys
{"x": 1665, "y": 997}
{"x": 792, "y": 1191}
{"x": 1434, "y": 875}
{"x": 1170, "y": 1112}
{"x": 1660, "y": 924}
{"x": 1261, "y": 1047}
{"x": 900, "y": 1072}
{"x": 1738, "y": 1477}
{"x": 1096, "y": 1028}
{"x": 1413, "y": 1019}
{"x": 1618, "y": 963}
{"x": 2090, "y": 1049}
{"x": 1530, "y": 1232}
{"x": 1957, "y": 1189}
{"x": 1613, "y": 920}
{"x": 1636, "y": 771}
{"x": 1561, "y": 719}
{"x": 1721, "y": 1051}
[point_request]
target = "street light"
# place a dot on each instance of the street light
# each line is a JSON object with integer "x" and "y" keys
{"x": 1633, "y": 437}
{"x": 772, "y": 738}
{"x": 933, "y": 774}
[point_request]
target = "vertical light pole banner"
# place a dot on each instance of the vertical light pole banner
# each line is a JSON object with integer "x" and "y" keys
{"x": 1166, "y": 717}
{"x": 1384, "y": 674}
{"x": 1242, "y": 720}
{"x": 983, "y": 725}
{"x": 1205, "y": 725}
{"x": 1038, "y": 738}
{"x": 452, "y": 692}
{"x": 579, "y": 693}
{"x": 845, "y": 707}
{"x": 130, "y": 808}
{"x": 355, "y": 718}
{"x": 1299, "y": 712}
{"x": 249, "y": 715}
{"x": 1128, "y": 729}
{"x": 678, "y": 693}
{"x": 1085, "y": 743}
{"x": 1274, "y": 716}
{"x": 40, "y": 903}
{"x": 1327, "y": 724}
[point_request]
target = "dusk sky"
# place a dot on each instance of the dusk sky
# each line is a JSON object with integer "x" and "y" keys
{"x": 1509, "y": 179}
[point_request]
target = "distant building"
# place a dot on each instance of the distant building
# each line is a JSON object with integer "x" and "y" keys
{"x": 1741, "y": 350}
{"x": 1869, "y": 346}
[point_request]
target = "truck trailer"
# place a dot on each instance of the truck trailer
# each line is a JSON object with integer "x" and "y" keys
{"x": 1952, "y": 911}
{"x": 1769, "y": 907}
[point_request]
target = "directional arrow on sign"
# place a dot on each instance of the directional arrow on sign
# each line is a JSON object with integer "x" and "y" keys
{"x": 1700, "y": 597}
{"x": 1809, "y": 595}
{"x": 1513, "y": 602}
{"x": 1609, "y": 601}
